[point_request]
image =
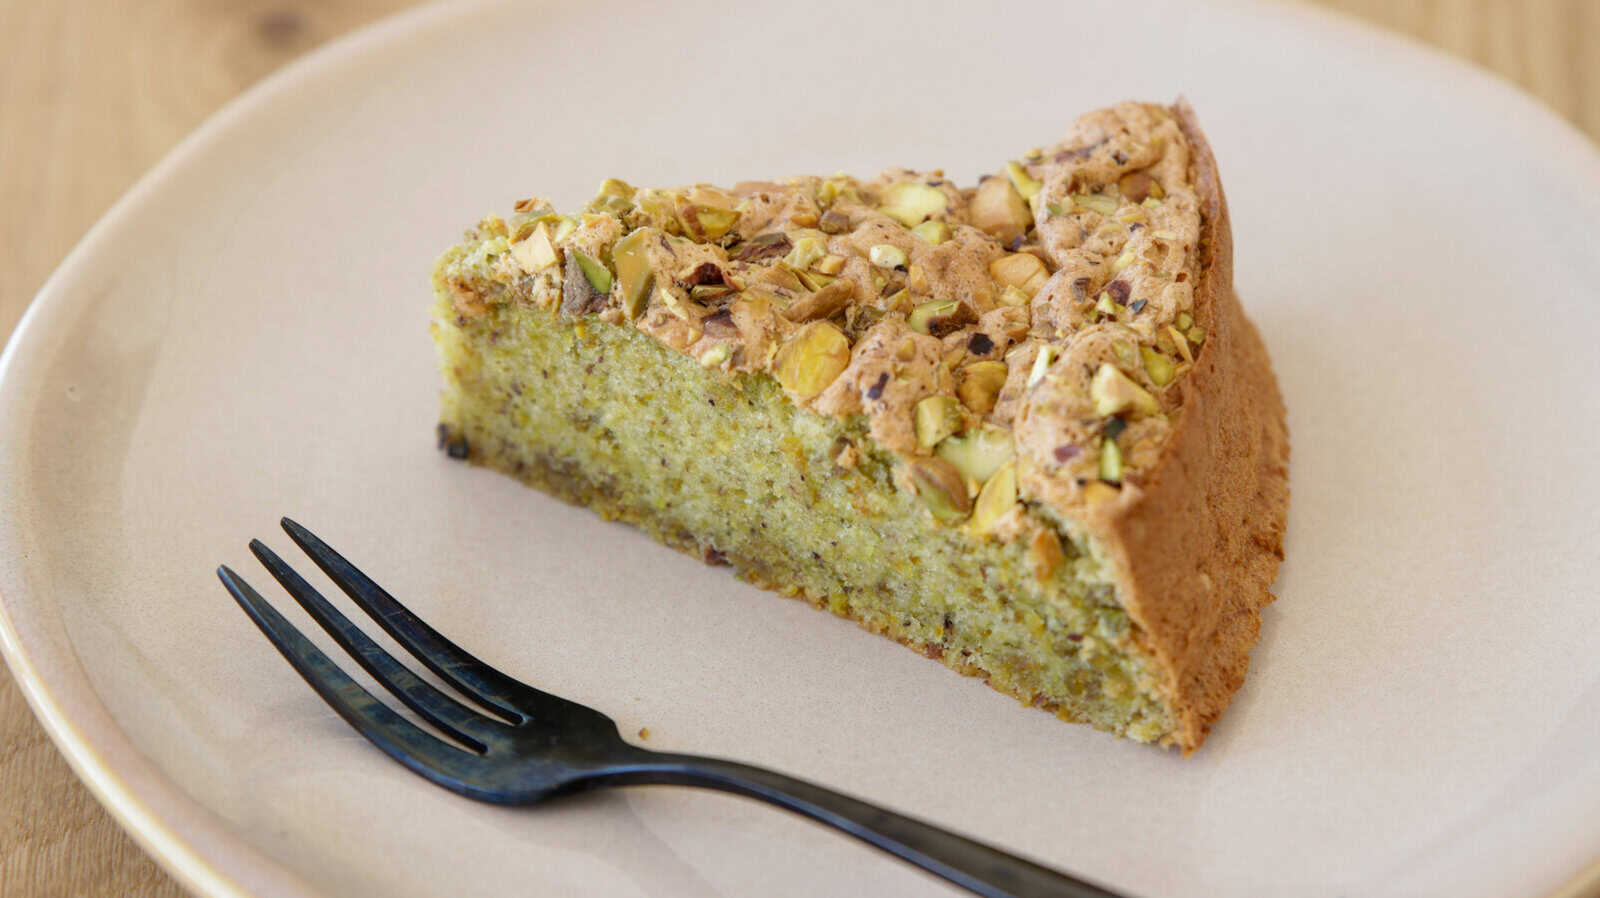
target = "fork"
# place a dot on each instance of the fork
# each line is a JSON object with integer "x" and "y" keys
{"x": 522, "y": 745}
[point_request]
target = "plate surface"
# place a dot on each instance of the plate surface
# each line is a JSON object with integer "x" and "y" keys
{"x": 244, "y": 336}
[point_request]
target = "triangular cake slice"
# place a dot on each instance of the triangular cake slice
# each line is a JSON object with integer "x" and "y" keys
{"x": 1022, "y": 427}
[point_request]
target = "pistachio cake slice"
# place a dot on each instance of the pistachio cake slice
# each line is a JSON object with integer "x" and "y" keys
{"x": 1024, "y": 427}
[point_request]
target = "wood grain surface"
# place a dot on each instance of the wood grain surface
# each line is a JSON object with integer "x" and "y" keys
{"x": 94, "y": 93}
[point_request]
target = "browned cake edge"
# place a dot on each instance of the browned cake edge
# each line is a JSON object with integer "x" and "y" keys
{"x": 1197, "y": 541}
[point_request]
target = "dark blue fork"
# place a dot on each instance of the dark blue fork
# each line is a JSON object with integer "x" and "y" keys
{"x": 526, "y": 745}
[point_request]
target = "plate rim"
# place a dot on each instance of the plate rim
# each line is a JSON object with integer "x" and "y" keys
{"x": 233, "y": 861}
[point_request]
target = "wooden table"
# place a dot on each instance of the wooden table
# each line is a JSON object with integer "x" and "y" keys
{"x": 93, "y": 93}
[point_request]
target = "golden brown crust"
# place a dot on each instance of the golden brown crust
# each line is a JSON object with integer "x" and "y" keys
{"x": 1198, "y": 540}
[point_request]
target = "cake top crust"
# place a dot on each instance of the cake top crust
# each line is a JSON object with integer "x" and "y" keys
{"x": 1023, "y": 340}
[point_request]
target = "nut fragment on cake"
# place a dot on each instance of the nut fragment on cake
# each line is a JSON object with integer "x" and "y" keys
{"x": 1022, "y": 426}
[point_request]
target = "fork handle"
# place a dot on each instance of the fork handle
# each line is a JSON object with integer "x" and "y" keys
{"x": 980, "y": 868}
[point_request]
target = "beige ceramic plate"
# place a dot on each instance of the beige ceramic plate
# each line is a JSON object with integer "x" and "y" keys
{"x": 244, "y": 336}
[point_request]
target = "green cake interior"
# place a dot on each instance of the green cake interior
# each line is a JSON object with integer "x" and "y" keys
{"x": 723, "y": 466}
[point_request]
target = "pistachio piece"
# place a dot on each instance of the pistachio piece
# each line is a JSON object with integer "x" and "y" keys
{"x": 806, "y": 250}
{"x": 812, "y": 359}
{"x": 998, "y": 496}
{"x": 834, "y": 222}
{"x": 980, "y": 385}
{"x": 1041, "y": 364}
{"x": 598, "y": 274}
{"x": 917, "y": 280}
{"x": 633, "y": 270}
{"x": 887, "y": 255}
{"x": 977, "y": 454}
{"x": 580, "y": 291}
{"x": 935, "y": 232}
{"x": 1011, "y": 296}
{"x": 1113, "y": 392}
{"x": 1197, "y": 335}
{"x": 708, "y": 223}
{"x": 564, "y": 228}
{"x": 940, "y": 487}
{"x": 1157, "y": 365}
{"x": 832, "y": 263}
{"x": 937, "y": 417}
{"x": 824, "y": 303}
{"x": 764, "y": 246}
{"x": 1181, "y": 342}
{"x": 1185, "y": 321}
{"x": 939, "y": 317}
{"x": 536, "y": 252}
{"x": 716, "y": 355}
{"x": 1095, "y": 202}
{"x": 1020, "y": 179}
{"x": 1021, "y": 270}
{"x": 1138, "y": 186}
{"x": 912, "y": 202}
{"x": 1110, "y": 461}
{"x": 1123, "y": 261}
{"x": 613, "y": 198}
{"x": 999, "y": 211}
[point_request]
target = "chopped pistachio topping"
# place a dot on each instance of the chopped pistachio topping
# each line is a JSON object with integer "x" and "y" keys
{"x": 806, "y": 251}
{"x": 999, "y": 211}
{"x": 1025, "y": 185}
{"x": 940, "y": 487}
{"x": 633, "y": 271}
{"x": 599, "y": 276}
{"x": 886, "y": 255}
{"x": 830, "y": 264}
{"x": 1041, "y": 364}
{"x": 1184, "y": 321}
{"x": 922, "y": 317}
{"x": 812, "y": 359}
{"x": 716, "y": 355}
{"x": 977, "y": 454}
{"x": 1197, "y": 335}
{"x": 935, "y": 232}
{"x": 980, "y": 385}
{"x": 1113, "y": 392}
{"x": 1110, "y": 461}
{"x": 998, "y": 496}
{"x": 535, "y": 252}
{"x": 1021, "y": 270}
{"x": 937, "y": 417}
{"x": 1157, "y": 365}
{"x": 912, "y": 202}
{"x": 1095, "y": 202}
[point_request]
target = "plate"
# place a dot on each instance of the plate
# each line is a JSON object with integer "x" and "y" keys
{"x": 244, "y": 336}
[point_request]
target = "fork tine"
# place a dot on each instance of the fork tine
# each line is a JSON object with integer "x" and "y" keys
{"x": 512, "y": 698}
{"x": 418, "y": 694}
{"x": 401, "y": 739}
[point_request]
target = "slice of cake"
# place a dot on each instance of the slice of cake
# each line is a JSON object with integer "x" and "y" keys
{"x": 1022, "y": 427}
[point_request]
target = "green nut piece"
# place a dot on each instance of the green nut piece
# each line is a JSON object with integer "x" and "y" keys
{"x": 812, "y": 358}
{"x": 912, "y": 202}
{"x": 1185, "y": 321}
{"x": 633, "y": 270}
{"x": 1157, "y": 365}
{"x": 709, "y": 223}
{"x": 1041, "y": 364}
{"x": 598, "y": 274}
{"x": 980, "y": 385}
{"x": 977, "y": 454}
{"x": 887, "y": 255}
{"x": 934, "y": 232}
{"x": 614, "y": 197}
{"x": 716, "y": 355}
{"x": 998, "y": 210}
{"x": 1113, "y": 392}
{"x": 535, "y": 252}
{"x": 806, "y": 251}
{"x": 1095, "y": 202}
{"x": 998, "y": 496}
{"x": 1020, "y": 179}
{"x": 937, "y": 417}
{"x": 923, "y": 317}
{"x": 1110, "y": 461}
{"x": 834, "y": 222}
{"x": 940, "y": 487}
